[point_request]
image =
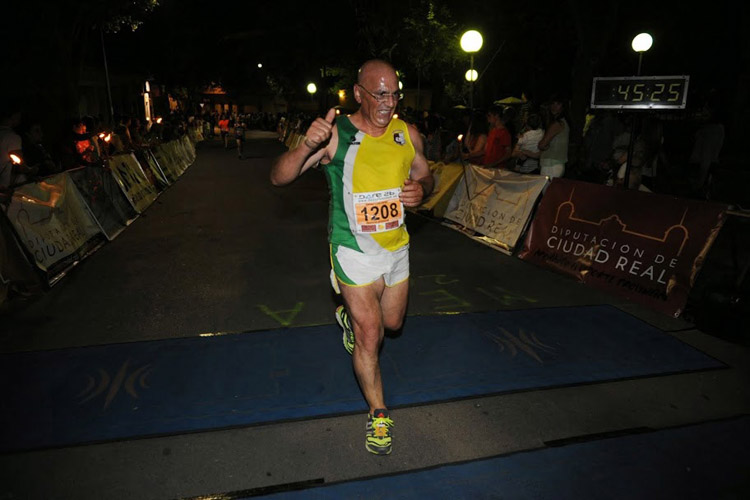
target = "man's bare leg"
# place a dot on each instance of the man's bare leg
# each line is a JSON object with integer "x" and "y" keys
{"x": 371, "y": 309}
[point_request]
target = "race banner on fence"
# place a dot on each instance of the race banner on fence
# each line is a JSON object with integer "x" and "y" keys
{"x": 646, "y": 247}
{"x": 54, "y": 224}
{"x": 446, "y": 177}
{"x": 178, "y": 154}
{"x": 104, "y": 198}
{"x": 152, "y": 168}
{"x": 495, "y": 203}
{"x": 133, "y": 181}
{"x": 164, "y": 158}
{"x": 15, "y": 269}
{"x": 189, "y": 148}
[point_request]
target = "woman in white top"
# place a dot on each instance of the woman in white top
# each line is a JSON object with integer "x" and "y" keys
{"x": 553, "y": 148}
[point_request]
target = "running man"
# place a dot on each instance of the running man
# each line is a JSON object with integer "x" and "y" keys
{"x": 375, "y": 167}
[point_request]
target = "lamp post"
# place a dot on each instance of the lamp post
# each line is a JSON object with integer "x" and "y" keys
{"x": 471, "y": 41}
{"x": 641, "y": 43}
{"x": 311, "y": 89}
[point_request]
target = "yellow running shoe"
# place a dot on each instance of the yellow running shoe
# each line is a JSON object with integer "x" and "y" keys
{"x": 379, "y": 439}
{"x": 342, "y": 318}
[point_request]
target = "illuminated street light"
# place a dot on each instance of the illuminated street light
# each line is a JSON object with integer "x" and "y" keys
{"x": 471, "y": 75}
{"x": 471, "y": 41}
{"x": 641, "y": 43}
{"x": 312, "y": 88}
{"x": 260, "y": 65}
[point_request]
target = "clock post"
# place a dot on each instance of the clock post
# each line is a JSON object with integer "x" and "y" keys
{"x": 637, "y": 94}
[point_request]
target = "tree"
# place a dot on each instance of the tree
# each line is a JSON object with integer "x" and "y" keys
{"x": 429, "y": 43}
{"x": 57, "y": 39}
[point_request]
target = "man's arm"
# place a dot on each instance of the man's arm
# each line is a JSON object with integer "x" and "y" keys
{"x": 295, "y": 162}
{"x": 420, "y": 183}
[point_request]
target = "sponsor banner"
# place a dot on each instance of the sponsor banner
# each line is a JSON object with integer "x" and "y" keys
{"x": 15, "y": 269}
{"x": 133, "y": 181}
{"x": 189, "y": 148}
{"x": 495, "y": 203}
{"x": 54, "y": 224}
{"x": 178, "y": 155}
{"x": 152, "y": 168}
{"x": 165, "y": 161}
{"x": 104, "y": 198}
{"x": 447, "y": 176}
{"x": 646, "y": 247}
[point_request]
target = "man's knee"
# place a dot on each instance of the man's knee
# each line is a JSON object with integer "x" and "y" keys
{"x": 393, "y": 321}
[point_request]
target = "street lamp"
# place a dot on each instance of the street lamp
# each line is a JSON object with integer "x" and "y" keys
{"x": 311, "y": 89}
{"x": 641, "y": 43}
{"x": 471, "y": 75}
{"x": 471, "y": 42}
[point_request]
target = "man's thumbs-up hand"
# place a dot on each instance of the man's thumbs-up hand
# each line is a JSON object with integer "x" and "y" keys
{"x": 320, "y": 130}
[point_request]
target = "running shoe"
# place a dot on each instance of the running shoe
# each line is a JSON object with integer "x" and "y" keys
{"x": 378, "y": 430}
{"x": 342, "y": 318}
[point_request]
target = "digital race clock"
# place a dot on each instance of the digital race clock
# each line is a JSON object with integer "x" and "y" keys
{"x": 640, "y": 92}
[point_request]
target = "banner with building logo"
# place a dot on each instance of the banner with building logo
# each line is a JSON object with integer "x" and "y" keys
{"x": 646, "y": 247}
{"x": 133, "y": 181}
{"x": 497, "y": 204}
{"x": 54, "y": 224}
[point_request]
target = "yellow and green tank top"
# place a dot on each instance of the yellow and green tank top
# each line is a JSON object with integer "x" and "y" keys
{"x": 365, "y": 178}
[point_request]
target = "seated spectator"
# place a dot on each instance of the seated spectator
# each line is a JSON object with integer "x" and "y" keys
{"x": 635, "y": 179}
{"x": 529, "y": 140}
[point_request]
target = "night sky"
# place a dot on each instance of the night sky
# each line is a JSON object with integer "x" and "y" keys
{"x": 534, "y": 48}
{"x": 190, "y": 42}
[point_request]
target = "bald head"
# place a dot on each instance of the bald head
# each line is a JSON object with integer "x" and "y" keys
{"x": 374, "y": 69}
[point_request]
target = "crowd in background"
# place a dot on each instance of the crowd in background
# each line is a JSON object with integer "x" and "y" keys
{"x": 525, "y": 137}
{"x": 26, "y": 156}
{"x": 668, "y": 155}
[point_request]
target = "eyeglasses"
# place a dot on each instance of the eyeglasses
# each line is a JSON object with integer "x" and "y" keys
{"x": 384, "y": 96}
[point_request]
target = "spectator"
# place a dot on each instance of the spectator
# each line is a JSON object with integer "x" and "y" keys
{"x": 10, "y": 143}
{"x": 707, "y": 145}
{"x": 499, "y": 141}
{"x": 475, "y": 141}
{"x": 35, "y": 154}
{"x": 433, "y": 138}
{"x": 529, "y": 141}
{"x": 553, "y": 148}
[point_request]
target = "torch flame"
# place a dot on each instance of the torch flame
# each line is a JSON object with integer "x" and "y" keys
{"x": 107, "y": 137}
{"x": 158, "y": 120}
{"x": 15, "y": 159}
{"x": 460, "y": 137}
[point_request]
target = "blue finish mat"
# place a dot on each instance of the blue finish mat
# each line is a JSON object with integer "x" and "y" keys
{"x": 113, "y": 392}
{"x": 696, "y": 462}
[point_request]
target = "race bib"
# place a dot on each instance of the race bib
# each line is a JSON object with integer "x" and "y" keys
{"x": 378, "y": 211}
